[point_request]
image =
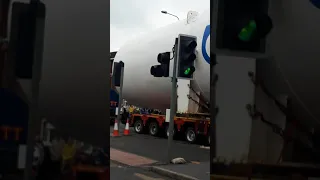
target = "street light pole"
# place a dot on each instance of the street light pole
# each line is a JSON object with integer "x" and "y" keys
{"x": 173, "y": 102}
{"x": 165, "y": 12}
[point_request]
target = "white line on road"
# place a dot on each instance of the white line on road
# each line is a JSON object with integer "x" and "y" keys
{"x": 205, "y": 147}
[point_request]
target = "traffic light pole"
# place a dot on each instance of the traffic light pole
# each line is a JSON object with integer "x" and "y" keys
{"x": 34, "y": 117}
{"x": 173, "y": 102}
{"x": 120, "y": 95}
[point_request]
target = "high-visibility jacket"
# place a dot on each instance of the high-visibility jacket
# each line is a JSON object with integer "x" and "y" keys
{"x": 68, "y": 151}
{"x": 131, "y": 109}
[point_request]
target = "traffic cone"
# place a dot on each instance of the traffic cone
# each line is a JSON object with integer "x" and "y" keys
{"x": 126, "y": 129}
{"x": 115, "y": 129}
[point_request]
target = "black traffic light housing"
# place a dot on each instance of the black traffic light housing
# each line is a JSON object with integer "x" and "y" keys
{"x": 163, "y": 69}
{"x": 243, "y": 25}
{"x": 117, "y": 67}
{"x": 186, "y": 56}
{"x": 26, "y": 35}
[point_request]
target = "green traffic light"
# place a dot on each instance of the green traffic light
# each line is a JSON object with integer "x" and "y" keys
{"x": 187, "y": 71}
{"x": 246, "y": 32}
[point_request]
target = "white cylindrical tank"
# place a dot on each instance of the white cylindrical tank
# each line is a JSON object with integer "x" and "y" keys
{"x": 139, "y": 86}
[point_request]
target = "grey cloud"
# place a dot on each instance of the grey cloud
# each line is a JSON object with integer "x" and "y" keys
{"x": 130, "y": 17}
{"x": 128, "y": 13}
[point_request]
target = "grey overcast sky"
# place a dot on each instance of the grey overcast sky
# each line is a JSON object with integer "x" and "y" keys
{"x": 130, "y": 18}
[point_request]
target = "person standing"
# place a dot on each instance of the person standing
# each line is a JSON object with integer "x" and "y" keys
{"x": 56, "y": 154}
{"x": 40, "y": 160}
{"x": 68, "y": 153}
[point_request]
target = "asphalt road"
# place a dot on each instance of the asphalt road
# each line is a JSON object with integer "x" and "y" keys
{"x": 156, "y": 147}
{"x": 130, "y": 173}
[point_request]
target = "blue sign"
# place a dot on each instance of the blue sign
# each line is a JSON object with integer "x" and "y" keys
{"x": 114, "y": 98}
{"x": 14, "y": 115}
{"x": 205, "y": 37}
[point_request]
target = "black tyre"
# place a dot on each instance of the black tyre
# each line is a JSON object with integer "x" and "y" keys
{"x": 138, "y": 127}
{"x": 153, "y": 128}
{"x": 167, "y": 132}
{"x": 191, "y": 135}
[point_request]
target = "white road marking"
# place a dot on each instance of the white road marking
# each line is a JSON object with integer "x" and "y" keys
{"x": 205, "y": 147}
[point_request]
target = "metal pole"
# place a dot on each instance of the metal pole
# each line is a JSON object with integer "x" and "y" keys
{"x": 213, "y": 135}
{"x": 34, "y": 118}
{"x": 173, "y": 102}
{"x": 174, "y": 16}
{"x": 120, "y": 94}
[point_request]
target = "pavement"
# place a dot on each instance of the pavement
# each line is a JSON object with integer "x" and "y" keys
{"x": 156, "y": 147}
{"x": 149, "y": 153}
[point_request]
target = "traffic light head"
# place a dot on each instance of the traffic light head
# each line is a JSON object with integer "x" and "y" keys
{"x": 243, "y": 25}
{"x": 156, "y": 71}
{"x": 164, "y": 58}
{"x": 257, "y": 27}
{"x": 161, "y": 70}
{"x": 186, "y": 56}
{"x": 117, "y": 73}
{"x": 27, "y": 25}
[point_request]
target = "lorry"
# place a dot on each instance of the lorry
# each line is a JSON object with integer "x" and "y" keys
{"x": 267, "y": 120}
{"x": 190, "y": 125}
{"x": 140, "y": 88}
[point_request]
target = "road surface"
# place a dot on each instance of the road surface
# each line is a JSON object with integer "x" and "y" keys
{"x": 119, "y": 172}
{"x": 155, "y": 147}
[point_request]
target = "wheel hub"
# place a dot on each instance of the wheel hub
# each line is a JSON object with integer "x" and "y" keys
{"x": 191, "y": 136}
{"x": 153, "y": 129}
{"x": 138, "y": 127}
{"x": 168, "y": 132}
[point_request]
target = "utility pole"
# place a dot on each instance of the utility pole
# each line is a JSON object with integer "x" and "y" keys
{"x": 120, "y": 92}
{"x": 34, "y": 118}
{"x": 173, "y": 102}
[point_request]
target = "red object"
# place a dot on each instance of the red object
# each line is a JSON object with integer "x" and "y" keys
{"x": 126, "y": 131}
{"x": 102, "y": 172}
{"x": 115, "y": 129}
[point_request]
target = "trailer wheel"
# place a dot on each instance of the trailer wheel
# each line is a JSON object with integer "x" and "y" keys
{"x": 138, "y": 126}
{"x": 167, "y": 132}
{"x": 191, "y": 135}
{"x": 153, "y": 128}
